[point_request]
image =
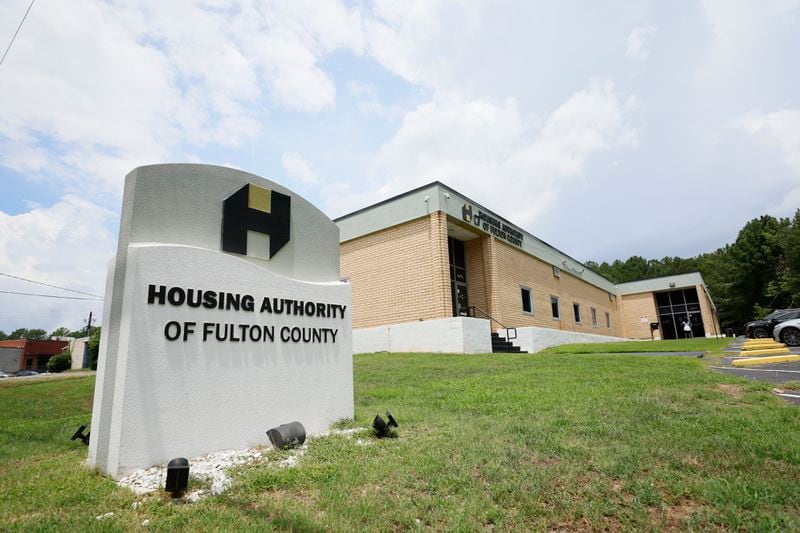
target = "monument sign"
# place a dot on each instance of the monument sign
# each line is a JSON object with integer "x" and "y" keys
{"x": 224, "y": 317}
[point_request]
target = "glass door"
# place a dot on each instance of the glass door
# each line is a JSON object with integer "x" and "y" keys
{"x": 460, "y": 302}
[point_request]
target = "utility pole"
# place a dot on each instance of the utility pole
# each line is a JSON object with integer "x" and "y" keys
{"x": 89, "y": 324}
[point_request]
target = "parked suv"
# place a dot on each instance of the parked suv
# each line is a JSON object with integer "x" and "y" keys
{"x": 788, "y": 332}
{"x": 762, "y": 329}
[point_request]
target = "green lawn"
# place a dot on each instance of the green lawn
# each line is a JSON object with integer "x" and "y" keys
{"x": 514, "y": 442}
{"x": 679, "y": 345}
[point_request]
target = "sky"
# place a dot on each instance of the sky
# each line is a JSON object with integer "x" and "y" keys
{"x": 607, "y": 129}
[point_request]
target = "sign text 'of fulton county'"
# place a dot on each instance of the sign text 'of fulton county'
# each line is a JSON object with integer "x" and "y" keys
{"x": 491, "y": 224}
{"x": 228, "y": 301}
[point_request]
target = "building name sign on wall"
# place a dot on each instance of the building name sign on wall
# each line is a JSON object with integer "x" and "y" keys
{"x": 493, "y": 225}
{"x": 235, "y": 332}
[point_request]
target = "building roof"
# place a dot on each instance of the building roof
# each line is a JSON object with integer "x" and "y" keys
{"x": 35, "y": 346}
{"x": 663, "y": 283}
{"x": 437, "y": 196}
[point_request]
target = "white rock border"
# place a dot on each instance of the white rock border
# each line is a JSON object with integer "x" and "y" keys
{"x": 214, "y": 467}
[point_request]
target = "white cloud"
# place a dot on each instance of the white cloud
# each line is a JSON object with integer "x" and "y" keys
{"x": 487, "y": 149}
{"x": 67, "y": 244}
{"x": 298, "y": 169}
{"x": 150, "y": 79}
{"x": 780, "y": 129}
{"x": 638, "y": 42}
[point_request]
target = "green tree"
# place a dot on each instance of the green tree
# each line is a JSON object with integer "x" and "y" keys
{"x": 30, "y": 334}
{"x": 36, "y": 334}
{"x": 3, "y": 336}
{"x": 756, "y": 274}
{"x": 94, "y": 348}
{"x": 80, "y": 333}
{"x": 61, "y": 332}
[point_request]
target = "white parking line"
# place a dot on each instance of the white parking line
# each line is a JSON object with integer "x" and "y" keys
{"x": 756, "y": 369}
{"x": 789, "y": 395}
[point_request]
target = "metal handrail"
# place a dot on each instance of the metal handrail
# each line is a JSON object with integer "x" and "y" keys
{"x": 471, "y": 312}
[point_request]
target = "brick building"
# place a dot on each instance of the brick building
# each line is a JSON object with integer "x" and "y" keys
{"x": 23, "y": 354}
{"x": 432, "y": 270}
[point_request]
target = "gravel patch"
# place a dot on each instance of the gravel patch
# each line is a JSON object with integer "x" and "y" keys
{"x": 212, "y": 469}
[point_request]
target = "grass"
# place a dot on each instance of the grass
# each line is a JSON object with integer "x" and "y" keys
{"x": 513, "y": 442}
{"x": 679, "y": 345}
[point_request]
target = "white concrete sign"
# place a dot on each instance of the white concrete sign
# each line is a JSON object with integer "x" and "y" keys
{"x": 224, "y": 317}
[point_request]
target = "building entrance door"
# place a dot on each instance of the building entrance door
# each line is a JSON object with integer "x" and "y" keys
{"x": 460, "y": 302}
{"x": 458, "y": 277}
{"x": 674, "y": 308}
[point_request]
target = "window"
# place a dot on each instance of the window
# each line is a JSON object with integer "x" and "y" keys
{"x": 576, "y": 310}
{"x": 594, "y": 317}
{"x": 608, "y": 320}
{"x": 527, "y": 304}
{"x": 554, "y": 307}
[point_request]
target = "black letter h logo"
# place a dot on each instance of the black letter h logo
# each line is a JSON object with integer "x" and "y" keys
{"x": 254, "y": 208}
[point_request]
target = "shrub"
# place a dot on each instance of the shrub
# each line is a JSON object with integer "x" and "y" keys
{"x": 59, "y": 363}
{"x": 94, "y": 348}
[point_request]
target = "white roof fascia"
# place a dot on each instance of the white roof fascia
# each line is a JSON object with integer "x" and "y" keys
{"x": 438, "y": 197}
{"x": 664, "y": 283}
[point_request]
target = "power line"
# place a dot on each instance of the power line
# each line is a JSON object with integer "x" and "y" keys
{"x": 49, "y": 285}
{"x": 29, "y": 317}
{"x": 16, "y": 32}
{"x": 51, "y": 296}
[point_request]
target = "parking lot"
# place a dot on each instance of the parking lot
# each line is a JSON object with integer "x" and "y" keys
{"x": 776, "y": 373}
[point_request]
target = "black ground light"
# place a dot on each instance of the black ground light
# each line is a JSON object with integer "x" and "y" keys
{"x": 381, "y": 427}
{"x": 177, "y": 476}
{"x": 79, "y": 435}
{"x": 287, "y": 435}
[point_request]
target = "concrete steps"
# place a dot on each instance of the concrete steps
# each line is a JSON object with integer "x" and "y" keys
{"x": 503, "y": 346}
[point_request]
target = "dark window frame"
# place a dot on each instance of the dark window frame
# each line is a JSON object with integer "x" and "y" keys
{"x": 555, "y": 307}
{"x": 522, "y": 291}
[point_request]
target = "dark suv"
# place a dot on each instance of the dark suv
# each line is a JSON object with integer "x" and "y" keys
{"x": 762, "y": 329}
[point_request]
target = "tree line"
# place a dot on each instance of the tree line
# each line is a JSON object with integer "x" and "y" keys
{"x": 755, "y": 275}
{"x": 36, "y": 334}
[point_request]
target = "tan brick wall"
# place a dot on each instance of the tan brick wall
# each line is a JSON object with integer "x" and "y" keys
{"x": 633, "y": 307}
{"x": 399, "y": 274}
{"x": 710, "y": 322}
{"x": 515, "y": 268}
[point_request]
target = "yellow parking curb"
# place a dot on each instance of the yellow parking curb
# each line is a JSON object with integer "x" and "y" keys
{"x": 759, "y": 343}
{"x": 766, "y": 351}
{"x": 765, "y": 360}
{"x": 762, "y": 347}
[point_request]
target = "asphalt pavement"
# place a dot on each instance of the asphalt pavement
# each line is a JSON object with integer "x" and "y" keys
{"x": 776, "y": 373}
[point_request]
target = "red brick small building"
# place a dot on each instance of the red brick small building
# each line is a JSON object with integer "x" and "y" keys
{"x": 23, "y": 354}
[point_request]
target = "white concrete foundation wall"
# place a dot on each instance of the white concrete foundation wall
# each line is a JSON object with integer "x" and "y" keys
{"x": 446, "y": 335}
{"x": 533, "y": 339}
{"x": 77, "y": 346}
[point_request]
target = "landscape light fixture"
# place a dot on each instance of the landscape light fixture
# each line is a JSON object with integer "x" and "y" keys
{"x": 381, "y": 427}
{"x": 79, "y": 435}
{"x": 286, "y": 435}
{"x": 177, "y": 476}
